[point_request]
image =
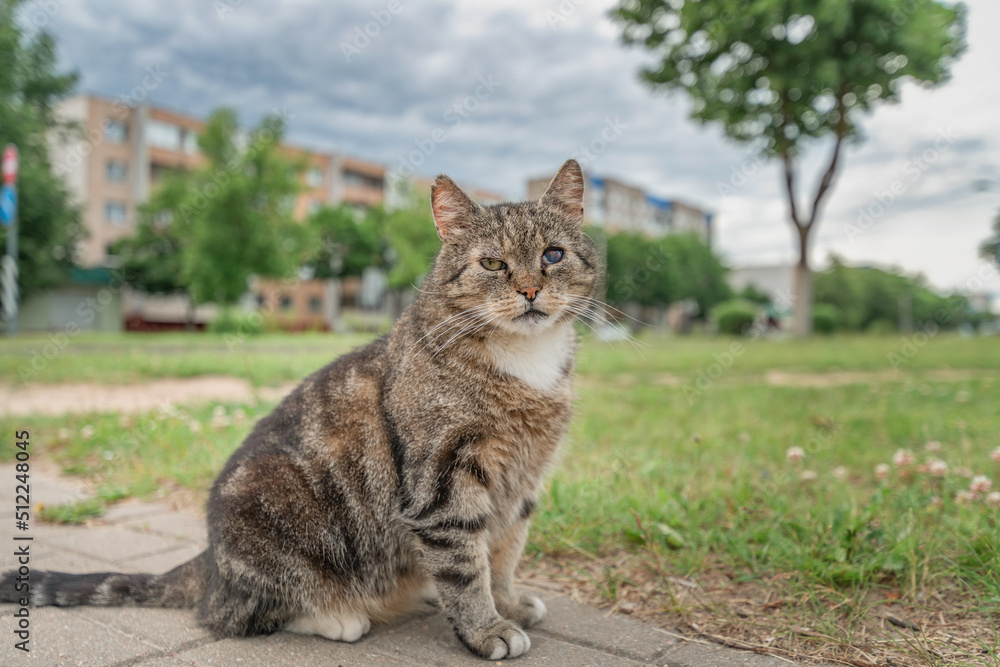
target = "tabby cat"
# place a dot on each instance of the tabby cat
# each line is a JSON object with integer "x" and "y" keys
{"x": 409, "y": 468}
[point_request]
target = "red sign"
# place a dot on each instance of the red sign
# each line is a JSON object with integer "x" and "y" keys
{"x": 9, "y": 164}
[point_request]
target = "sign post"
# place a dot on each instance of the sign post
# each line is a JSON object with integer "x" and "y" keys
{"x": 8, "y": 217}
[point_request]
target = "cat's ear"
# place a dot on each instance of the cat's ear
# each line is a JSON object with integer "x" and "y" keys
{"x": 452, "y": 208}
{"x": 565, "y": 192}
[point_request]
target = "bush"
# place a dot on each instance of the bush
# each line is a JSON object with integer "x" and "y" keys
{"x": 881, "y": 328}
{"x": 826, "y": 318}
{"x": 241, "y": 323}
{"x": 735, "y": 316}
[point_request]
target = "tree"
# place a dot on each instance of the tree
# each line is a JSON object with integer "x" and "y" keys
{"x": 49, "y": 223}
{"x": 780, "y": 74}
{"x": 990, "y": 249}
{"x": 151, "y": 259}
{"x": 235, "y": 215}
{"x": 347, "y": 241}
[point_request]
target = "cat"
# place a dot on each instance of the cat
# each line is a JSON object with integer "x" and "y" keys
{"x": 409, "y": 468}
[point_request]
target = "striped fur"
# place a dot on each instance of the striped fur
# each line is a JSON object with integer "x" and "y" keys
{"x": 408, "y": 468}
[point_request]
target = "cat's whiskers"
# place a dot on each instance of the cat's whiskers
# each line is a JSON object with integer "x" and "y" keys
{"x": 478, "y": 308}
{"x": 471, "y": 329}
{"x": 467, "y": 317}
{"x": 585, "y": 311}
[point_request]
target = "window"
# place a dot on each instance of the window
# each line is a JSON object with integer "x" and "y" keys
{"x": 314, "y": 177}
{"x": 164, "y": 135}
{"x": 190, "y": 142}
{"x": 285, "y": 302}
{"x": 353, "y": 179}
{"x": 117, "y": 171}
{"x": 315, "y": 304}
{"x": 116, "y": 131}
{"x": 114, "y": 212}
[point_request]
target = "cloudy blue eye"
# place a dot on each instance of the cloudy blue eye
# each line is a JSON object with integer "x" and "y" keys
{"x": 552, "y": 255}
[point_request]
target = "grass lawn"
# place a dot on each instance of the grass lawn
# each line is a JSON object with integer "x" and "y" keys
{"x": 802, "y": 498}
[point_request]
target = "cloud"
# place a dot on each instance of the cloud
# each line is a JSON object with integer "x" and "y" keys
{"x": 373, "y": 78}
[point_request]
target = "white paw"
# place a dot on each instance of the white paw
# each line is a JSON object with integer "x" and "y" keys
{"x": 538, "y": 609}
{"x": 345, "y": 626}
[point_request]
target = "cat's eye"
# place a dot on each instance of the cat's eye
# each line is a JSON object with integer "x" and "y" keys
{"x": 552, "y": 255}
{"x": 492, "y": 264}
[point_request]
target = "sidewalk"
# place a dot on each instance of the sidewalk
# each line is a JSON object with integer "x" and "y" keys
{"x": 151, "y": 537}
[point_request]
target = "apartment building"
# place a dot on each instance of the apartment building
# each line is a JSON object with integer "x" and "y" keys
{"x": 618, "y": 206}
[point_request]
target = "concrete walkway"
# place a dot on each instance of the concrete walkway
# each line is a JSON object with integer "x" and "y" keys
{"x": 151, "y": 537}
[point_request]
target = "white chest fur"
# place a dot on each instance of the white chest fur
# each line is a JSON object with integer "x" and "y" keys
{"x": 539, "y": 361}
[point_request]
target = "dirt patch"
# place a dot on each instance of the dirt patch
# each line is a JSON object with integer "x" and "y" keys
{"x": 774, "y": 615}
{"x": 87, "y": 397}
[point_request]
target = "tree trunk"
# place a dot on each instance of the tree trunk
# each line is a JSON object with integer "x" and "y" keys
{"x": 803, "y": 289}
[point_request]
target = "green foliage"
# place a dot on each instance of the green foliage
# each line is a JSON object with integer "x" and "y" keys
{"x": 777, "y": 72}
{"x": 866, "y": 296}
{"x": 990, "y": 248}
{"x": 347, "y": 240}
{"x": 206, "y": 231}
{"x": 49, "y": 223}
{"x": 753, "y": 294}
{"x": 826, "y": 318}
{"x": 735, "y": 317}
{"x": 233, "y": 321}
{"x": 412, "y": 240}
{"x": 660, "y": 271}
{"x": 151, "y": 258}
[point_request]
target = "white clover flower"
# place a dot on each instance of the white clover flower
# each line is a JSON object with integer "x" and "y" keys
{"x": 937, "y": 467}
{"x": 840, "y": 472}
{"x": 980, "y": 484}
{"x": 808, "y": 476}
{"x": 995, "y": 455}
{"x": 933, "y": 446}
{"x": 993, "y": 498}
{"x": 795, "y": 454}
{"x": 882, "y": 471}
{"x": 87, "y": 432}
{"x": 902, "y": 457}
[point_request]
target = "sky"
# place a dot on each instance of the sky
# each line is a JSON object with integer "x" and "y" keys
{"x": 496, "y": 93}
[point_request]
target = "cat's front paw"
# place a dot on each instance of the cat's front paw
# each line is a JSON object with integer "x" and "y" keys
{"x": 500, "y": 640}
{"x": 526, "y": 611}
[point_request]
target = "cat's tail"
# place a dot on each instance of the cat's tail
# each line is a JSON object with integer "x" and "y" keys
{"x": 182, "y": 587}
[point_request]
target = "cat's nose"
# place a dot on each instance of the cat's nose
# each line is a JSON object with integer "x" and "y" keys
{"x": 530, "y": 292}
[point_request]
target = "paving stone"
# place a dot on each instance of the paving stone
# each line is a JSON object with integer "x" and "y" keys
{"x": 103, "y": 541}
{"x": 129, "y": 510}
{"x": 615, "y": 634}
{"x": 285, "y": 648}
{"x": 61, "y": 639}
{"x": 170, "y": 629}
{"x": 172, "y": 524}
{"x": 691, "y": 654}
{"x": 167, "y": 560}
